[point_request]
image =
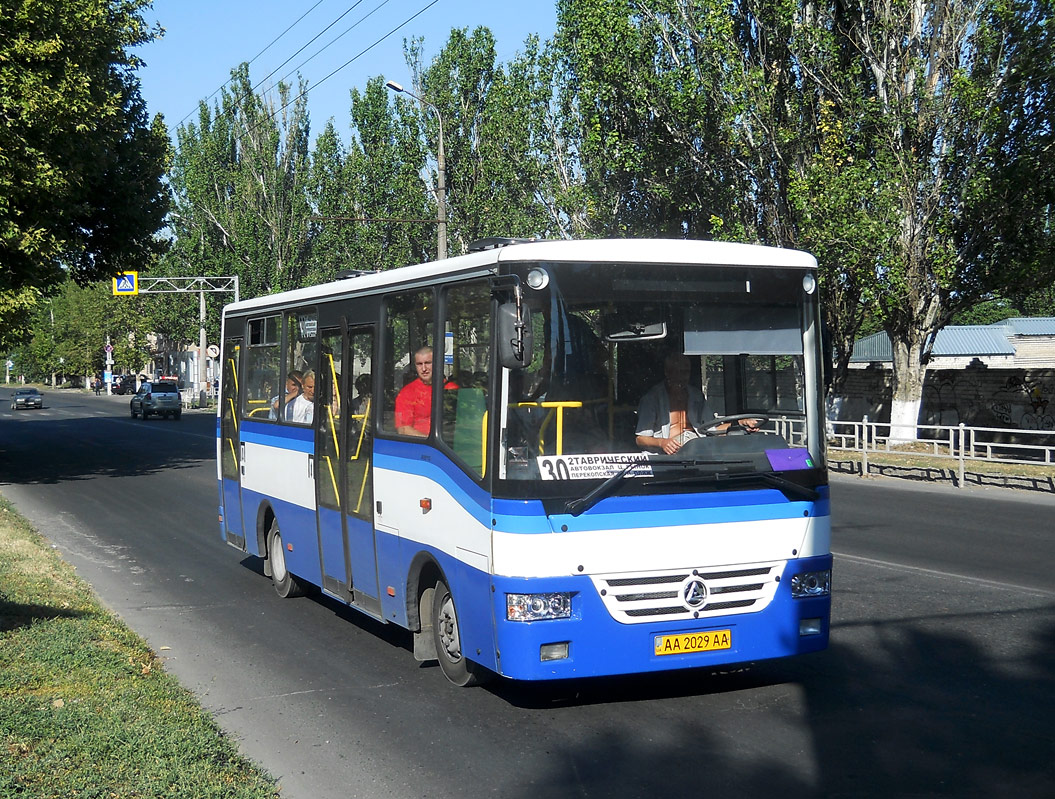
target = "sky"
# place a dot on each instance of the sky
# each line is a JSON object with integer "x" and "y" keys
{"x": 205, "y": 39}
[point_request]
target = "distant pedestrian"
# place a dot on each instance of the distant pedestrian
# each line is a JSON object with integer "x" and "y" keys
{"x": 98, "y": 386}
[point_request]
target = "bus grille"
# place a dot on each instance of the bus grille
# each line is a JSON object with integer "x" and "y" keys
{"x": 636, "y": 598}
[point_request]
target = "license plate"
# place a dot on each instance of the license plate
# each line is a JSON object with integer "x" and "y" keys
{"x": 684, "y": 643}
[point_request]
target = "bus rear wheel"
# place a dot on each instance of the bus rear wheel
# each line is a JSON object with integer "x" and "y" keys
{"x": 447, "y": 636}
{"x": 286, "y": 585}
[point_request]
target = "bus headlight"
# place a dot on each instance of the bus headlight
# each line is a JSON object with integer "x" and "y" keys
{"x": 810, "y": 584}
{"x": 536, "y": 607}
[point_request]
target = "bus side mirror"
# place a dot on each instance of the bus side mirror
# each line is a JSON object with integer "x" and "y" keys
{"x": 514, "y": 335}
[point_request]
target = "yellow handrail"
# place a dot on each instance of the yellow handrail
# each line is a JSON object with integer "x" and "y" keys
{"x": 333, "y": 479}
{"x": 333, "y": 431}
{"x": 483, "y": 446}
{"x": 333, "y": 376}
{"x": 234, "y": 414}
{"x": 362, "y": 417}
{"x": 556, "y": 410}
{"x": 362, "y": 488}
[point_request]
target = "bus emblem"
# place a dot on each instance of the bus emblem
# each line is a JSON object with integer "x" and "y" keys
{"x": 694, "y": 593}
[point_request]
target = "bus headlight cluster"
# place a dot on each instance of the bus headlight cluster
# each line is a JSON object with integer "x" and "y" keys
{"x": 536, "y": 607}
{"x": 810, "y": 584}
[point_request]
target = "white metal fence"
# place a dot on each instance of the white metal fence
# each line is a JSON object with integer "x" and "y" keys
{"x": 958, "y": 444}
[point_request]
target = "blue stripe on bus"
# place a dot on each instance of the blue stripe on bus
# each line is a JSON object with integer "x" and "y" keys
{"x": 425, "y": 461}
{"x": 297, "y": 439}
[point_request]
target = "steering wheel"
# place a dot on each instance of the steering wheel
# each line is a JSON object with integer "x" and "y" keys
{"x": 710, "y": 428}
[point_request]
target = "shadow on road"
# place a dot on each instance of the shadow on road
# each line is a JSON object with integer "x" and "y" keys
{"x": 94, "y": 446}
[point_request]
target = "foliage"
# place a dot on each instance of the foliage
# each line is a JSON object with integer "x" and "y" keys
{"x": 70, "y": 329}
{"x": 907, "y": 145}
{"x": 80, "y": 165}
{"x": 238, "y": 182}
{"x": 492, "y": 172}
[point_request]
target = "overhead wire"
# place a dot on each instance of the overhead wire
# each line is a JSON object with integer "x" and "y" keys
{"x": 267, "y": 47}
{"x": 271, "y": 116}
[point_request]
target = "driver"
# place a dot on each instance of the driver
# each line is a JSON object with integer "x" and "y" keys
{"x": 673, "y": 412}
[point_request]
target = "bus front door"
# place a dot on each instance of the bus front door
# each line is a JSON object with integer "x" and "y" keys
{"x": 344, "y": 474}
{"x": 231, "y": 446}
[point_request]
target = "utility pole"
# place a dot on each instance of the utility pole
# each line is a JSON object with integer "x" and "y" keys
{"x": 441, "y": 174}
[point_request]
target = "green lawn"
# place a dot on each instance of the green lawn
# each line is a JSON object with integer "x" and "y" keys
{"x": 86, "y": 708}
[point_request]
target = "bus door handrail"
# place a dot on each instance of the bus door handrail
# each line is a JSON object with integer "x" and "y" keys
{"x": 556, "y": 410}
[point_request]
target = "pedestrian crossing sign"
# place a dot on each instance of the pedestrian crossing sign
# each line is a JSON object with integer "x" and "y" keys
{"x": 126, "y": 283}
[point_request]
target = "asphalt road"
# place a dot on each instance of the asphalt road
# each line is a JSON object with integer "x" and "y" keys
{"x": 939, "y": 679}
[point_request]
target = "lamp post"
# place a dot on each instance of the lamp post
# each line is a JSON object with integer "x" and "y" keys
{"x": 441, "y": 168}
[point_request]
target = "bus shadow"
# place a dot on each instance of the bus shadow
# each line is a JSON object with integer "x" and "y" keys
{"x": 893, "y": 708}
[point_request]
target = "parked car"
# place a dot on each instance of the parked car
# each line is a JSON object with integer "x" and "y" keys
{"x": 124, "y": 384}
{"x": 26, "y": 398}
{"x": 159, "y": 397}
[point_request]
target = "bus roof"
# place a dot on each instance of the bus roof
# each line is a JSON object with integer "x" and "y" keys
{"x": 643, "y": 251}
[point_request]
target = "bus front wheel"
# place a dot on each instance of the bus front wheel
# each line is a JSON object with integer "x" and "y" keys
{"x": 286, "y": 585}
{"x": 447, "y": 636}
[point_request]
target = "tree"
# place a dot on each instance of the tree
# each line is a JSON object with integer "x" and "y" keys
{"x": 80, "y": 165}
{"x": 238, "y": 182}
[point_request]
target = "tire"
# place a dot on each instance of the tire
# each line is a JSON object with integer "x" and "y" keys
{"x": 286, "y": 585}
{"x": 446, "y": 635}
{"x": 133, "y": 411}
{"x": 177, "y": 415}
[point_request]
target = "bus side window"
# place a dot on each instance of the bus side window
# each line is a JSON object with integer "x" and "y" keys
{"x": 262, "y": 368}
{"x": 409, "y": 333}
{"x": 466, "y": 362}
{"x": 302, "y": 338}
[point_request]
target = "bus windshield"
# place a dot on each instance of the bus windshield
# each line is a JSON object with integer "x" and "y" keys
{"x": 627, "y": 357}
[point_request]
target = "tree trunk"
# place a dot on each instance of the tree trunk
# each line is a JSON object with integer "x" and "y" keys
{"x": 909, "y": 373}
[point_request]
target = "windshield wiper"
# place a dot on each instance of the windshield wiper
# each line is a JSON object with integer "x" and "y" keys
{"x": 578, "y": 506}
{"x": 775, "y": 480}
{"x": 584, "y": 503}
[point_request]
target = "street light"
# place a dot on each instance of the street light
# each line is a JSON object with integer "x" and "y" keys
{"x": 441, "y": 168}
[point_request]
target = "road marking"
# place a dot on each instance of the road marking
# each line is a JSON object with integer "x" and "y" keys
{"x": 937, "y": 573}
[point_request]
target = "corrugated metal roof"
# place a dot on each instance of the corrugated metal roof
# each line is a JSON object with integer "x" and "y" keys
{"x": 953, "y": 341}
{"x": 1032, "y": 326}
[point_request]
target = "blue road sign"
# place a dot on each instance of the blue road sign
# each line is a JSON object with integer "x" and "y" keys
{"x": 127, "y": 283}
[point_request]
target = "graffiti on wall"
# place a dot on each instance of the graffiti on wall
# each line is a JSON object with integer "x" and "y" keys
{"x": 1022, "y": 399}
{"x": 1023, "y": 403}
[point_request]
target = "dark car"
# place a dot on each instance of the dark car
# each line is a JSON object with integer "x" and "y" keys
{"x": 159, "y": 397}
{"x": 124, "y": 384}
{"x": 26, "y": 398}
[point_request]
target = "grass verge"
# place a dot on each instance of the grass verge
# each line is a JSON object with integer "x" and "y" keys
{"x": 86, "y": 709}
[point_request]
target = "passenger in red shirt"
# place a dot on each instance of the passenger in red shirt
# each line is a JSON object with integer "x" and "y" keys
{"x": 414, "y": 401}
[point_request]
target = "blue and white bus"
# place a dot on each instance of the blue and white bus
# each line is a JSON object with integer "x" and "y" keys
{"x": 511, "y": 519}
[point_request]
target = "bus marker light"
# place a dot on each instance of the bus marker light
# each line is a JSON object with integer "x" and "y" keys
{"x": 558, "y": 651}
{"x": 391, "y": 591}
{"x": 425, "y": 504}
{"x": 289, "y": 547}
{"x": 809, "y": 626}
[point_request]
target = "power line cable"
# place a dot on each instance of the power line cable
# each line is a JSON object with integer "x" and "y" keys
{"x": 357, "y": 56}
{"x": 254, "y": 58}
{"x": 354, "y": 5}
{"x": 348, "y": 30}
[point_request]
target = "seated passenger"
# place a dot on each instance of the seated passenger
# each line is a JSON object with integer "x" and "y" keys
{"x": 303, "y": 407}
{"x": 414, "y": 401}
{"x": 292, "y": 392}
